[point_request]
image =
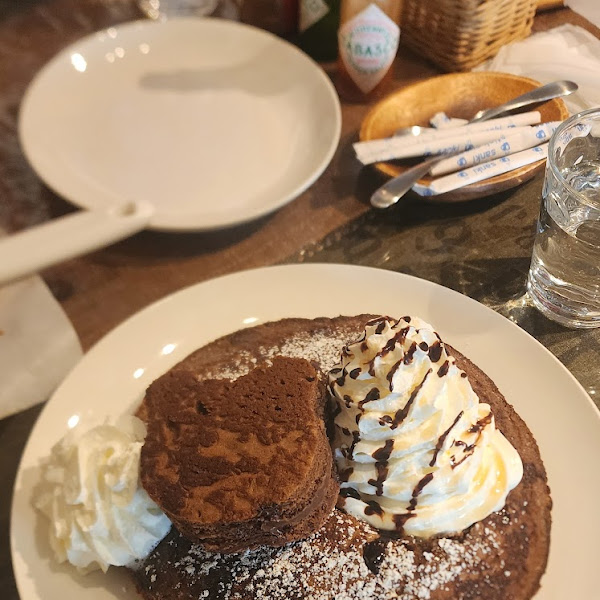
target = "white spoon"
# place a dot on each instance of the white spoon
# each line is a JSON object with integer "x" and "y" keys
{"x": 33, "y": 249}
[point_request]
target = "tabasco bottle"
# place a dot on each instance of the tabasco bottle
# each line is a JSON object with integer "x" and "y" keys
{"x": 368, "y": 41}
{"x": 318, "y": 23}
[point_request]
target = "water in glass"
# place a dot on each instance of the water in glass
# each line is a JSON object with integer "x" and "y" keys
{"x": 564, "y": 278}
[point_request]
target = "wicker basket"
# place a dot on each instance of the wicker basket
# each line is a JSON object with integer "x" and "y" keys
{"x": 457, "y": 35}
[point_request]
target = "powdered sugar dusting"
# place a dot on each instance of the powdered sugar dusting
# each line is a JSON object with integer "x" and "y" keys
{"x": 333, "y": 563}
{"x": 329, "y": 564}
{"x": 320, "y": 347}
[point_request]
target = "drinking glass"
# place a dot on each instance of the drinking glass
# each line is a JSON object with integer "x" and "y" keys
{"x": 564, "y": 276}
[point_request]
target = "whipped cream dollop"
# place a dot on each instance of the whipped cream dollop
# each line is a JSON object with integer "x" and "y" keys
{"x": 416, "y": 450}
{"x": 99, "y": 514}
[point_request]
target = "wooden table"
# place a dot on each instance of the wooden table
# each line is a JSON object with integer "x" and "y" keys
{"x": 331, "y": 222}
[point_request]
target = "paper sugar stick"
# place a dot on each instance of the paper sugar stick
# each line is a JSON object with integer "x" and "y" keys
{"x": 482, "y": 171}
{"x": 447, "y": 140}
{"x": 520, "y": 120}
{"x": 509, "y": 142}
{"x": 458, "y": 142}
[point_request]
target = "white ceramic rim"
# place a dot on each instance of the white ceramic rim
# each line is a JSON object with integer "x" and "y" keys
{"x": 33, "y": 108}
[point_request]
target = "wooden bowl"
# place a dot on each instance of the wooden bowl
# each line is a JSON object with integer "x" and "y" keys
{"x": 458, "y": 95}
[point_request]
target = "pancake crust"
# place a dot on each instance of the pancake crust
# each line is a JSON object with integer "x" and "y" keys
{"x": 501, "y": 557}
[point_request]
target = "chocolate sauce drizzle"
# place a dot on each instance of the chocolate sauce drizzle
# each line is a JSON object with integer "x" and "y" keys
{"x": 443, "y": 437}
{"x": 354, "y": 373}
{"x": 417, "y": 491}
{"x": 402, "y": 413}
{"x": 397, "y": 339}
{"x": 380, "y": 327}
{"x": 376, "y": 320}
{"x": 391, "y": 374}
{"x": 481, "y": 424}
{"x": 443, "y": 370}
{"x": 470, "y": 448}
{"x": 382, "y": 473}
{"x": 435, "y": 351}
{"x": 345, "y": 474}
{"x": 371, "y": 369}
{"x": 349, "y": 492}
{"x": 383, "y": 454}
{"x": 372, "y": 395}
{"x": 373, "y": 553}
{"x": 355, "y": 440}
{"x": 387, "y": 348}
{"x": 400, "y": 520}
{"x": 410, "y": 353}
{"x": 333, "y": 379}
{"x": 373, "y": 508}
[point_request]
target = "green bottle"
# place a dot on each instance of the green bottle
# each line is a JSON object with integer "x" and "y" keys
{"x": 318, "y": 23}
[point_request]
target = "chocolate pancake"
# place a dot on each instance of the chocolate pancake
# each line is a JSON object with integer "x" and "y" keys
{"x": 237, "y": 464}
{"x": 501, "y": 557}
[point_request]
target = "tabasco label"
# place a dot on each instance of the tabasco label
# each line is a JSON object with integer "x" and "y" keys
{"x": 368, "y": 45}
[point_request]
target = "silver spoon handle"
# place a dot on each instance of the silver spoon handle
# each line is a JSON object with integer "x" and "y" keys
{"x": 389, "y": 193}
{"x": 541, "y": 94}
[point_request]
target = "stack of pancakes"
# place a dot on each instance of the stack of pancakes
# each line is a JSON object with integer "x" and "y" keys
{"x": 237, "y": 456}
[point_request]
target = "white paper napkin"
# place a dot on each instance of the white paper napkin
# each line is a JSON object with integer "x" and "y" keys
{"x": 590, "y": 9}
{"x": 38, "y": 345}
{"x": 566, "y": 52}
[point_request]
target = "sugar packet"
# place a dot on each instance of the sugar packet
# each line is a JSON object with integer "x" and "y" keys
{"x": 443, "y": 141}
{"x": 483, "y": 171}
{"x": 509, "y": 142}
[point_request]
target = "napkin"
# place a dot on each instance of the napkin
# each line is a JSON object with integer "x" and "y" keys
{"x": 590, "y": 9}
{"x": 565, "y": 52}
{"x": 38, "y": 345}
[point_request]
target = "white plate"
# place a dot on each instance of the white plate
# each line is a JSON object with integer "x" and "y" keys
{"x": 212, "y": 122}
{"x": 112, "y": 377}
